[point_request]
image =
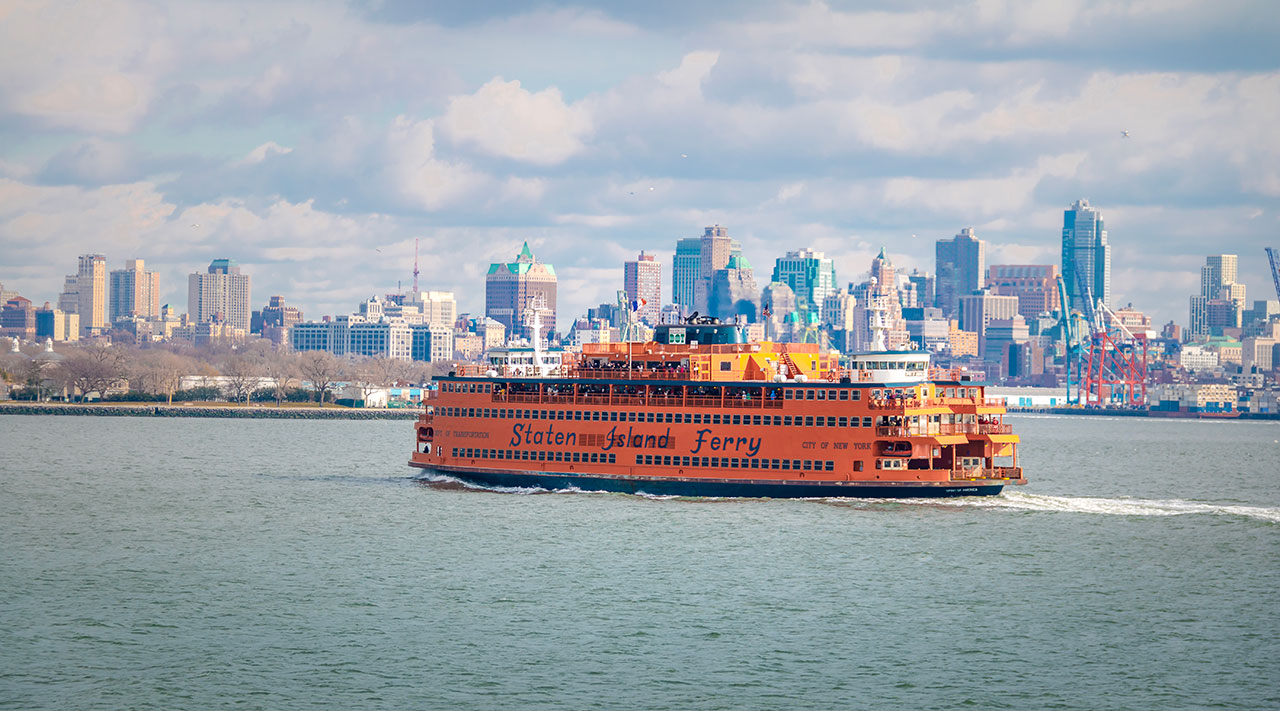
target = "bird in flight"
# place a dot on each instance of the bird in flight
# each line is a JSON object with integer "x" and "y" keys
{"x": 1124, "y": 134}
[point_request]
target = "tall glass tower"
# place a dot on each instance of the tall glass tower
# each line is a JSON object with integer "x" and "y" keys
{"x": 1086, "y": 256}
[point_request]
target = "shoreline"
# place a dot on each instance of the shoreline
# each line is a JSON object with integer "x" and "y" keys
{"x": 216, "y": 411}
{"x": 1159, "y": 415}
{"x": 127, "y": 409}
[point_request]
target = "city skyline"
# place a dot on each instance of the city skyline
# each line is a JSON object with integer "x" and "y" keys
{"x": 195, "y": 133}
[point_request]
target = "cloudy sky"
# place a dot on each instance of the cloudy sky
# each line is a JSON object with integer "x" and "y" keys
{"x": 314, "y": 142}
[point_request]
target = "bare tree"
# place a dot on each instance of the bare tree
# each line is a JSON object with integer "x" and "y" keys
{"x": 321, "y": 369}
{"x": 372, "y": 374}
{"x": 167, "y": 370}
{"x": 94, "y": 368}
{"x": 282, "y": 368}
{"x": 241, "y": 374}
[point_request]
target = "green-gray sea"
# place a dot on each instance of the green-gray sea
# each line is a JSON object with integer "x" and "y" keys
{"x": 150, "y": 563}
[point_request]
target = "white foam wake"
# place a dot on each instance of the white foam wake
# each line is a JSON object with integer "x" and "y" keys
{"x": 1117, "y": 507}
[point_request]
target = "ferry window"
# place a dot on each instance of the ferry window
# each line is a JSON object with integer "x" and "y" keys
{"x": 795, "y": 464}
{"x": 866, "y": 422}
{"x": 786, "y": 394}
{"x": 829, "y": 465}
{"x": 773, "y": 464}
{"x": 684, "y": 461}
{"x": 734, "y": 462}
{"x": 808, "y": 421}
{"x": 808, "y": 465}
{"x": 574, "y": 457}
{"x": 831, "y": 394}
{"x": 613, "y": 417}
{"x": 577, "y": 414}
{"x": 666, "y": 460}
{"x": 704, "y": 463}
{"x": 595, "y": 416}
{"x": 542, "y": 456}
{"x": 669, "y": 418}
{"x": 715, "y": 419}
{"x": 875, "y": 394}
{"x": 844, "y": 394}
{"x": 613, "y": 458}
{"x": 697, "y": 418}
{"x": 844, "y": 421}
{"x": 737, "y": 419}
{"x": 726, "y": 365}
{"x": 855, "y": 395}
{"x": 471, "y": 412}
{"x": 786, "y": 420}
{"x": 715, "y": 461}
{"x": 857, "y": 466}
{"x": 808, "y": 395}
{"x": 822, "y": 395}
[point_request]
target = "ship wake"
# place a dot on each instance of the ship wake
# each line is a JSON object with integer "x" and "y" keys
{"x": 1017, "y": 500}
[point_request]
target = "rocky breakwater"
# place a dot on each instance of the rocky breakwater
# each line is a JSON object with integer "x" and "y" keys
{"x": 164, "y": 410}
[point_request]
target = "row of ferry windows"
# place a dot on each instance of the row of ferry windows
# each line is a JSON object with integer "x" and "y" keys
{"x": 677, "y": 418}
{"x": 526, "y": 455}
{"x": 846, "y": 394}
{"x": 808, "y": 465}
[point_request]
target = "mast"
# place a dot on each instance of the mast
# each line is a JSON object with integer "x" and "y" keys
{"x": 415, "y": 268}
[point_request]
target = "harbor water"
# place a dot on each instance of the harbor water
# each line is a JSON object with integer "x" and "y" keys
{"x": 153, "y": 563}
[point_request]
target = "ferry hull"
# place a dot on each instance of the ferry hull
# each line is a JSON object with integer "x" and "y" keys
{"x": 734, "y": 488}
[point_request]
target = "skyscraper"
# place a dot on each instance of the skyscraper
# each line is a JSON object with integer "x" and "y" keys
{"x": 684, "y": 272}
{"x": 221, "y": 295}
{"x": 134, "y": 291}
{"x": 1035, "y": 285}
{"x": 512, "y": 288}
{"x": 714, "y": 250}
{"x": 734, "y": 291}
{"x": 811, "y": 276}
{"x": 642, "y": 280}
{"x": 1086, "y": 256}
{"x": 85, "y": 293}
{"x": 1220, "y": 303}
{"x": 960, "y": 263}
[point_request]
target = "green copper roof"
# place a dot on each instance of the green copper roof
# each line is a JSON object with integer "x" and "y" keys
{"x": 524, "y": 262}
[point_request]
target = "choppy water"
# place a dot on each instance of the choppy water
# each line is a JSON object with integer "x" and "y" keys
{"x": 155, "y": 563}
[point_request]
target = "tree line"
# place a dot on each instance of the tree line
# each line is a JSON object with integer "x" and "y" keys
{"x": 257, "y": 371}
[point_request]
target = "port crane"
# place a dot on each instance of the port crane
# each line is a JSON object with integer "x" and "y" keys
{"x": 1071, "y": 338}
{"x": 1273, "y": 256}
{"x": 1115, "y": 370}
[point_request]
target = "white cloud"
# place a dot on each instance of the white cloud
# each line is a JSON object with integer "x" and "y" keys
{"x": 417, "y": 174}
{"x": 260, "y": 153}
{"x": 503, "y": 119}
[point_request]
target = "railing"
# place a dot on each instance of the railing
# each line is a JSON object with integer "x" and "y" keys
{"x": 626, "y": 374}
{"x": 926, "y": 429}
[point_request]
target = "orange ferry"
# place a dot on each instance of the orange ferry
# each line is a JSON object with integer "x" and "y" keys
{"x": 699, "y": 412}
